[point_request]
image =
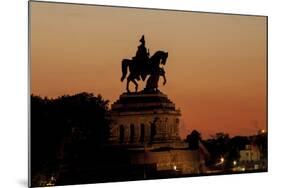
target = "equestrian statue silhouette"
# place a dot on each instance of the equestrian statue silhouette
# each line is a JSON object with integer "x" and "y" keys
{"x": 142, "y": 65}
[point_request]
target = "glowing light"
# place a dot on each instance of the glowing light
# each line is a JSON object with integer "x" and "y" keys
{"x": 222, "y": 160}
{"x": 175, "y": 167}
{"x": 234, "y": 163}
{"x": 50, "y": 184}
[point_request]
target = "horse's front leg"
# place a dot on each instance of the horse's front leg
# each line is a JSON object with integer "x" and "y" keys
{"x": 165, "y": 80}
{"x": 136, "y": 85}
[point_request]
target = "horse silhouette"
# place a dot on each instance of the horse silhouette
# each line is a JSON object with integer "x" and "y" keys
{"x": 149, "y": 68}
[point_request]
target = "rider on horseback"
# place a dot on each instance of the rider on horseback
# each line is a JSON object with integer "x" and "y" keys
{"x": 141, "y": 58}
{"x": 143, "y": 65}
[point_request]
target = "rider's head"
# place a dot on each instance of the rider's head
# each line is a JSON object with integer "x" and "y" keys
{"x": 142, "y": 40}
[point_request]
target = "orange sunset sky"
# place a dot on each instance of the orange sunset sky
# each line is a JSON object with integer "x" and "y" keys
{"x": 216, "y": 69}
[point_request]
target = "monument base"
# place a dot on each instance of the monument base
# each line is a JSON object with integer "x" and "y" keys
{"x": 139, "y": 118}
{"x": 146, "y": 126}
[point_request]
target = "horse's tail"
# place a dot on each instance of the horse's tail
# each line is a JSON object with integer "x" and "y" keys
{"x": 124, "y": 69}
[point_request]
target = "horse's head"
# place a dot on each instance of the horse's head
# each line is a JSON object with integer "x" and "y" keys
{"x": 164, "y": 58}
{"x": 160, "y": 57}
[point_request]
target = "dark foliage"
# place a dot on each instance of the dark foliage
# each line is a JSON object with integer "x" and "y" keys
{"x": 222, "y": 146}
{"x": 66, "y": 132}
{"x": 193, "y": 140}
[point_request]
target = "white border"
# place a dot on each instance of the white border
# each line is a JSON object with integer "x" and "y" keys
{"x": 13, "y": 90}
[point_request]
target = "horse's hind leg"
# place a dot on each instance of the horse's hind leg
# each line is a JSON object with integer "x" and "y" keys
{"x": 127, "y": 87}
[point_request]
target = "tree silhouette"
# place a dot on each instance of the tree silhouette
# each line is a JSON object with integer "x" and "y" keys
{"x": 68, "y": 130}
{"x": 221, "y": 145}
{"x": 193, "y": 139}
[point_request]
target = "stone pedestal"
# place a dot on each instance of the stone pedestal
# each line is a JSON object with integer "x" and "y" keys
{"x": 144, "y": 118}
{"x": 147, "y": 126}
